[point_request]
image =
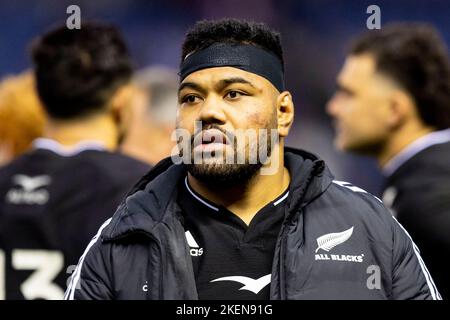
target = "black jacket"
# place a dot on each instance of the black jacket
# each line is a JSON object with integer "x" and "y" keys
{"x": 422, "y": 204}
{"x": 361, "y": 253}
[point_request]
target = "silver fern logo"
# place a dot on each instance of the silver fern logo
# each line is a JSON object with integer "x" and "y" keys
{"x": 331, "y": 240}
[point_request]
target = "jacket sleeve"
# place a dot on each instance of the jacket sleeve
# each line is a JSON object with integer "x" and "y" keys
{"x": 90, "y": 280}
{"x": 410, "y": 278}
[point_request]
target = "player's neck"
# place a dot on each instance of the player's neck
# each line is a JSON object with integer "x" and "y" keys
{"x": 100, "y": 128}
{"x": 149, "y": 144}
{"x": 402, "y": 139}
{"x": 246, "y": 199}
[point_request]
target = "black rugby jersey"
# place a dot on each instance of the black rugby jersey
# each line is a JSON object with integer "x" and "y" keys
{"x": 52, "y": 200}
{"x": 231, "y": 260}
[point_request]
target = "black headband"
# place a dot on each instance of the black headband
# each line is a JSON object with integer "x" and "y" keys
{"x": 242, "y": 56}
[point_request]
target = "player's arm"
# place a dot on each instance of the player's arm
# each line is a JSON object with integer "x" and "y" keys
{"x": 410, "y": 278}
{"x": 90, "y": 280}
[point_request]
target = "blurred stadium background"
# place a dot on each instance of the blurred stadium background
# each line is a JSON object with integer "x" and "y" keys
{"x": 314, "y": 34}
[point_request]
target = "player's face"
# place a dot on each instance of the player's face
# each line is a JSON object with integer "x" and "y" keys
{"x": 6, "y": 154}
{"x": 121, "y": 108}
{"x": 360, "y": 106}
{"x": 226, "y": 100}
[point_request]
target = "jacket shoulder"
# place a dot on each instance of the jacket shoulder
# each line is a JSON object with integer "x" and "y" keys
{"x": 347, "y": 192}
{"x": 355, "y": 204}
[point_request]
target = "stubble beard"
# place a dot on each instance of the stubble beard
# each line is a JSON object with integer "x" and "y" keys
{"x": 223, "y": 175}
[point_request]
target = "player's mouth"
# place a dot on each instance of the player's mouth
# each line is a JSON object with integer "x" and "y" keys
{"x": 337, "y": 125}
{"x": 211, "y": 140}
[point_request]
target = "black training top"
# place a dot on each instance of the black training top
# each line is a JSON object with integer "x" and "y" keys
{"x": 51, "y": 202}
{"x": 231, "y": 260}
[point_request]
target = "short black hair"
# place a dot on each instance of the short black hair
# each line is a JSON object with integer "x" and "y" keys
{"x": 79, "y": 70}
{"x": 208, "y": 32}
{"x": 415, "y": 56}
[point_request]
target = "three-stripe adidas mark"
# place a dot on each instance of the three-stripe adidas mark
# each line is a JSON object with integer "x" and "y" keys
{"x": 195, "y": 250}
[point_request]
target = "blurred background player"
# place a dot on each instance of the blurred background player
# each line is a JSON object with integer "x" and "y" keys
{"x": 312, "y": 32}
{"x": 21, "y": 116}
{"x": 53, "y": 198}
{"x": 393, "y": 103}
{"x": 154, "y": 107}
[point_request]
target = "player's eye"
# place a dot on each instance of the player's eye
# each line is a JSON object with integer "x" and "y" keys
{"x": 343, "y": 92}
{"x": 234, "y": 94}
{"x": 190, "y": 98}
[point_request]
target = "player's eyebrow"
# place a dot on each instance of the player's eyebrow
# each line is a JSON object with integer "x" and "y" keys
{"x": 219, "y": 86}
{"x": 343, "y": 89}
{"x": 226, "y": 82}
{"x": 191, "y": 85}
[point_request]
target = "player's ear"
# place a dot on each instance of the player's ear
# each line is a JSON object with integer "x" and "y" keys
{"x": 121, "y": 111}
{"x": 120, "y": 105}
{"x": 402, "y": 108}
{"x": 285, "y": 113}
{"x": 6, "y": 152}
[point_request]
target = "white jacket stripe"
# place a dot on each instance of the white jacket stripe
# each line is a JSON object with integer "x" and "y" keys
{"x": 69, "y": 295}
{"x": 432, "y": 287}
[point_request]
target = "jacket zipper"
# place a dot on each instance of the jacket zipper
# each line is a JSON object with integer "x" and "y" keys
{"x": 289, "y": 222}
{"x": 283, "y": 245}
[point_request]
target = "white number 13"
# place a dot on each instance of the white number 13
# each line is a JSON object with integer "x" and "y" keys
{"x": 39, "y": 285}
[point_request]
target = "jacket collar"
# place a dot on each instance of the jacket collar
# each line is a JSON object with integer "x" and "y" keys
{"x": 152, "y": 199}
{"x": 310, "y": 177}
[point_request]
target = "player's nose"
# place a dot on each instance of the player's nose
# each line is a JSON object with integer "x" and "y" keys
{"x": 332, "y": 107}
{"x": 212, "y": 111}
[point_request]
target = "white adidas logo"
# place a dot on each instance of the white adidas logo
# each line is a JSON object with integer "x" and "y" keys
{"x": 253, "y": 285}
{"x": 195, "y": 251}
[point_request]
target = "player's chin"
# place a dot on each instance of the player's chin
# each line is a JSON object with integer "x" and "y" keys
{"x": 352, "y": 146}
{"x": 340, "y": 143}
{"x": 223, "y": 175}
{"x": 344, "y": 145}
